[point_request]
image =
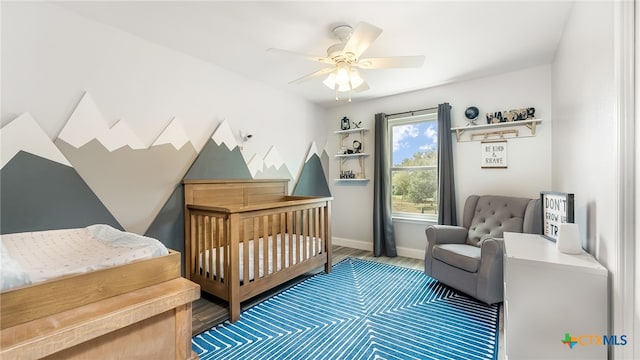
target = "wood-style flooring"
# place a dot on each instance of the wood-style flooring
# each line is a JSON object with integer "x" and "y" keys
{"x": 209, "y": 311}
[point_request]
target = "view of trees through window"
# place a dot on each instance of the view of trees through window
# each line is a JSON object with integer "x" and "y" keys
{"x": 414, "y": 158}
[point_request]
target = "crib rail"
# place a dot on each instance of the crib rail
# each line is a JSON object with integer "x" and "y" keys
{"x": 239, "y": 252}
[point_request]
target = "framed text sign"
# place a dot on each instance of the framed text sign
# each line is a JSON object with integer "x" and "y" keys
{"x": 494, "y": 154}
{"x": 557, "y": 208}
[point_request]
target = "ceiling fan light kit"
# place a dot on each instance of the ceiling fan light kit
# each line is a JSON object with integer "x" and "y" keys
{"x": 344, "y": 59}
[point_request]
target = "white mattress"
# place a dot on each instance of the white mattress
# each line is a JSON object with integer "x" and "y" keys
{"x": 312, "y": 250}
{"x": 33, "y": 257}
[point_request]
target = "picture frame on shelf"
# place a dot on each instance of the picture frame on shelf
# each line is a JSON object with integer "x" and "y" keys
{"x": 556, "y": 208}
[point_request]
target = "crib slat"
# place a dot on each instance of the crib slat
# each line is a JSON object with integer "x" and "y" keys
{"x": 265, "y": 245}
{"x": 290, "y": 233}
{"x": 245, "y": 251}
{"x": 281, "y": 232}
{"x": 256, "y": 248}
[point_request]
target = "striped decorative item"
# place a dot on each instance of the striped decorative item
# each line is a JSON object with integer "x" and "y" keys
{"x": 362, "y": 310}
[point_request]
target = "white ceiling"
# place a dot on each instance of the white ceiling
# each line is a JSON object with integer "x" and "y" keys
{"x": 460, "y": 40}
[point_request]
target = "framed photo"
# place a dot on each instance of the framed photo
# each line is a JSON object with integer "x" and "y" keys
{"x": 557, "y": 208}
{"x": 494, "y": 154}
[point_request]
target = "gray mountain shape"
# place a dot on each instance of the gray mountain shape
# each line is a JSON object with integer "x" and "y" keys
{"x": 132, "y": 184}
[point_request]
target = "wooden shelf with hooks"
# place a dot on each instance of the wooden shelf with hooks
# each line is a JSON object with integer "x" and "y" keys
{"x": 503, "y": 130}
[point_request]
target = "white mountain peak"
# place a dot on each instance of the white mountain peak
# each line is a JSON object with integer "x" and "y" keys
{"x": 173, "y": 134}
{"x": 313, "y": 150}
{"x": 254, "y": 164}
{"x": 24, "y": 133}
{"x": 87, "y": 123}
{"x": 119, "y": 135}
{"x": 223, "y": 134}
{"x": 273, "y": 158}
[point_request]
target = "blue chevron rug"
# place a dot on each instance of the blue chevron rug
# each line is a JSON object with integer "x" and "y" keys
{"x": 362, "y": 310}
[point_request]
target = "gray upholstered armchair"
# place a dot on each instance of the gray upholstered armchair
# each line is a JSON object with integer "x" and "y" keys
{"x": 469, "y": 257}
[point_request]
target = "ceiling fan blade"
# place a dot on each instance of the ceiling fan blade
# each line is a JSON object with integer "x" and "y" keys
{"x": 363, "y": 87}
{"x": 362, "y": 37}
{"x": 320, "y": 59}
{"x": 391, "y": 62}
{"x": 313, "y": 75}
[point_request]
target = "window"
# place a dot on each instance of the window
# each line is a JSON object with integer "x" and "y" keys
{"x": 413, "y": 142}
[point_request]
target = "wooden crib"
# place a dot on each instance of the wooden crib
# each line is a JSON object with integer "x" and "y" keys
{"x": 243, "y": 237}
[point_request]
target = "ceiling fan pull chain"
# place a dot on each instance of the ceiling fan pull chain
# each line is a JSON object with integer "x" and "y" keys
{"x": 336, "y": 90}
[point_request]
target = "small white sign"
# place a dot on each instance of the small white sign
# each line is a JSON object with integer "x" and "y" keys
{"x": 494, "y": 154}
{"x": 557, "y": 208}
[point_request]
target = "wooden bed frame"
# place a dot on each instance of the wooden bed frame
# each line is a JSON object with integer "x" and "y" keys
{"x": 138, "y": 310}
{"x": 222, "y": 214}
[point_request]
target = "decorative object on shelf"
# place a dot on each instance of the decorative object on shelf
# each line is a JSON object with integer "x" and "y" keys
{"x": 347, "y": 174}
{"x": 494, "y": 154}
{"x": 356, "y": 124}
{"x": 569, "y": 239}
{"x": 511, "y": 115}
{"x": 494, "y": 117}
{"x": 345, "y": 124}
{"x": 357, "y": 147}
{"x": 471, "y": 113}
{"x": 557, "y": 209}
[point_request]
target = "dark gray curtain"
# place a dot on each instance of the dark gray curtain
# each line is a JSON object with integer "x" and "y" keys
{"x": 447, "y": 214}
{"x": 384, "y": 243}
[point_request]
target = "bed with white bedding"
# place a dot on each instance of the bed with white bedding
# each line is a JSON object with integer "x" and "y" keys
{"x": 92, "y": 292}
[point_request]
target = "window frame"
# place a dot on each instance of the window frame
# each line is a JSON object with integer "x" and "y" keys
{"x": 423, "y": 117}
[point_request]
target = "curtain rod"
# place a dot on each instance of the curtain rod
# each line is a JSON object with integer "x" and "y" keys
{"x": 411, "y": 112}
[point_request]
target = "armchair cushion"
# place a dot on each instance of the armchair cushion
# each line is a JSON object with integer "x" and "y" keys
{"x": 462, "y": 256}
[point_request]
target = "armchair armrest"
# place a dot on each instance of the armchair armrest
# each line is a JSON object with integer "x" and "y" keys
{"x": 441, "y": 234}
{"x": 446, "y": 234}
{"x": 491, "y": 272}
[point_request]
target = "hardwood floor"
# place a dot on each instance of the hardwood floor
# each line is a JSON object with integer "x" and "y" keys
{"x": 209, "y": 311}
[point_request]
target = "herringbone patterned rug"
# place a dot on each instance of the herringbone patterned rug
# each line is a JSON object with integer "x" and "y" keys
{"x": 362, "y": 310}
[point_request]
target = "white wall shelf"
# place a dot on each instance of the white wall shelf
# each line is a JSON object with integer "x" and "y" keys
{"x": 351, "y": 155}
{"x": 357, "y": 172}
{"x": 351, "y": 131}
{"x": 500, "y": 130}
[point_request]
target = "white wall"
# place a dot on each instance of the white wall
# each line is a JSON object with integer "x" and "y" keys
{"x": 528, "y": 172}
{"x": 584, "y": 131}
{"x": 50, "y": 56}
{"x": 585, "y": 137}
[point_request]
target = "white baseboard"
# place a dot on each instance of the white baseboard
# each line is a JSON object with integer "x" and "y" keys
{"x": 368, "y": 246}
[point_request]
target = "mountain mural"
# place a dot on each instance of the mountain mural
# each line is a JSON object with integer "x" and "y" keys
{"x": 272, "y": 166}
{"x": 87, "y": 123}
{"x": 132, "y": 180}
{"x": 40, "y": 190}
{"x": 220, "y": 158}
{"x": 312, "y": 180}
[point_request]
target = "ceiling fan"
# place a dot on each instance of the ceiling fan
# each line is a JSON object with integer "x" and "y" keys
{"x": 344, "y": 59}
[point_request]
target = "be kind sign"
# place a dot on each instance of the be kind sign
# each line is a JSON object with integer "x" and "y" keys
{"x": 557, "y": 208}
{"x": 494, "y": 154}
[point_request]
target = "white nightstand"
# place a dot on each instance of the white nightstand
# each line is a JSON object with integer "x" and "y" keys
{"x": 548, "y": 294}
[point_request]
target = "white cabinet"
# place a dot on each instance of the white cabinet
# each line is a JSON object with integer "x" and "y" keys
{"x": 548, "y": 294}
{"x": 352, "y": 155}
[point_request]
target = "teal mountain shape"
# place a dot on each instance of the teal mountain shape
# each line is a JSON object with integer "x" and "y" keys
{"x": 40, "y": 194}
{"x": 312, "y": 180}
